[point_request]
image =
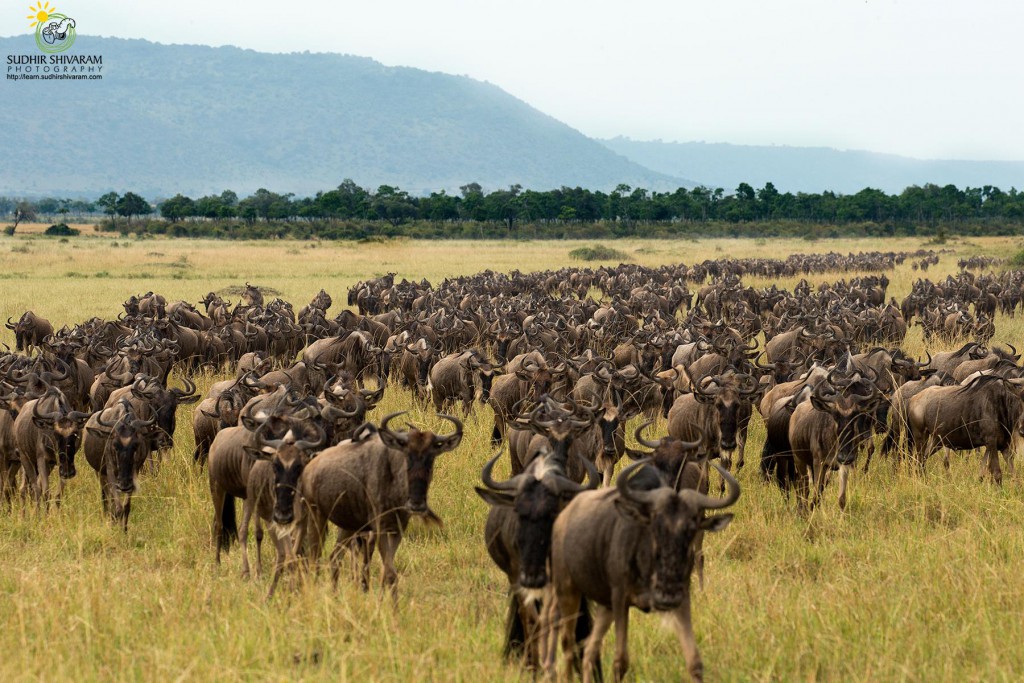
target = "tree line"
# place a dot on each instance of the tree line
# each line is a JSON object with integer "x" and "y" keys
{"x": 353, "y": 211}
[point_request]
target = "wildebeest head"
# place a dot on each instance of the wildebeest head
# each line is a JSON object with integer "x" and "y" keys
{"x": 671, "y": 520}
{"x": 539, "y": 376}
{"x": 50, "y": 415}
{"x": 126, "y": 436}
{"x": 164, "y": 403}
{"x": 727, "y": 392}
{"x": 850, "y": 405}
{"x": 536, "y": 496}
{"x": 288, "y": 457}
{"x": 420, "y": 448}
{"x": 668, "y": 455}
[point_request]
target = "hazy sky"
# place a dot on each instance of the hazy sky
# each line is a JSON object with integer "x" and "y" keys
{"x": 924, "y": 78}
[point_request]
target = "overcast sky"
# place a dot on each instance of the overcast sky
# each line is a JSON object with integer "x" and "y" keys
{"x": 923, "y": 78}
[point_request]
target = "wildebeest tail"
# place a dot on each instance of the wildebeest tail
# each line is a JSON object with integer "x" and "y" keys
{"x": 515, "y": 631}
{"x": 228, "y": 523}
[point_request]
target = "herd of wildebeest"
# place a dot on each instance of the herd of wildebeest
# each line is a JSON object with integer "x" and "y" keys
{"x": 288, "y": 432}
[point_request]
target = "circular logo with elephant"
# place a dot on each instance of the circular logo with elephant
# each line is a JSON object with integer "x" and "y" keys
{"x": 55, "y": 32}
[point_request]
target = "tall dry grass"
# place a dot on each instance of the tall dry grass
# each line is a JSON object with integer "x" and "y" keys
{"x": 919, "y": 580}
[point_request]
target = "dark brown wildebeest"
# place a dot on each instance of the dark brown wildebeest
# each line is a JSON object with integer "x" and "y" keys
{"x": 899, "y": 400}
{"x": 827, "y": 431}
{"x": 455, "y": 377}
{"x": 717, "y": 411}
{"x": 369, "y": 488}
{"x": 116, "y": 446}
{"x": 983, "y": 413}
{"x": 150, "y": 398}
{"x": 47, "y": 433}
{"x": 271, "y": 488}
{"x": 518, "y": 538}
{"x": 623, "y": 547}
{"x": 29, "y": 331}
{"x": 528, "y": 377}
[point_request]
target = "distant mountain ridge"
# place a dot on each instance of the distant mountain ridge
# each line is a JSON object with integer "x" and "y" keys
{"x": 810, "y": 169}
{"x": 198, "y": 119}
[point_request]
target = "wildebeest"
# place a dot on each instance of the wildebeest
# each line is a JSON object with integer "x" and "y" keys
{"x": 619, "y": 548}
{"x": 825, "y": 433}
{"x": 455, "y": 377}
{"x": 29, "y": 331}
{"x": 271, "y": 488}
{"x": 984, "y": 412}
{"x": 370, "y": 487}
{"x": 47, "y": 433}
{"x": 116, "y": 446}
{"x": 518, "y": 538}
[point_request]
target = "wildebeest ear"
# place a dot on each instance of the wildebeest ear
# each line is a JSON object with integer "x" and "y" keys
{"x": 363, "y": 432}
{"x": 523, "y": 375}
{"x": 188, "y": 399}
{"x": 633, "y": 511}
{"x": 98, "y": 432}
{"x": 716, "y": 523}
{"x": 256, "y": 453}
{"x": 496, "y": 498}
{"x": 819, "y": 404}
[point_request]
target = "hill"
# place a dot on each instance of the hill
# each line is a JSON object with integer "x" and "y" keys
{"x": 197, "y": 119}
{"x": 810, "y": 169}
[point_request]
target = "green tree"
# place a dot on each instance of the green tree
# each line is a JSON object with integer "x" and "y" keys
{"x": 108, "y": 203}
{"x": 177, "y": 207}
{"x": 132, "y": 204}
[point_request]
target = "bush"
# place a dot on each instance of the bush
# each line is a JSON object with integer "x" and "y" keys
{"x": 1017, "y": 260}
{"x": 9, "y": 230}
{"x": 597, "y": 253}
{"x": 61, "y": 229}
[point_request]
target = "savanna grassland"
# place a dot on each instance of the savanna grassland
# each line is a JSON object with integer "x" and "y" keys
{"x": 919, "y": 580}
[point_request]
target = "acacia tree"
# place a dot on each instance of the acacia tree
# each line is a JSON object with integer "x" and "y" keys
{"x": 108, "y": 203}
{"x": 23, "y": 211}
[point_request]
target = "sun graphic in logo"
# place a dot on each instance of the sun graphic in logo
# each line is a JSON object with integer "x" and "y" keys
{"x": 55, "y": 32}
{"x": 40, "y": 13}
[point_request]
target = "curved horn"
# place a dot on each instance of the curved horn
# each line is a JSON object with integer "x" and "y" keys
{"x": 401, "y": 436}
{"x": 489, "y": 481}
{"x": 455, "y": 436}
{"x": 707, "y": 502}
{"x": 622, "y": 484}
{"x": 653, "y": 445}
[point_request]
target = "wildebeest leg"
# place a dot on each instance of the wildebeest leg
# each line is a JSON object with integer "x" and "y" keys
{"x": 844, "y": 476}
{"x": 1008, "y": 456}
{"x": 259, "y": 546}
{"x": 387, "y": 544}
{"x": 42, "y": 483}
{"x": 870, "y": 452}
{"x": 248, "y": 505}
{"x": 620, "y": 613}
{"x": 568, "y": 604}
{"x": 682, "y": 623}
{"x": 992, "y": 453}
{"x": 126, "y": 510}
{"x": 497, "y": 431}
{"x": 316, "y": 527}
{"x": 804, "y": 478}
{"x": 743, "y": 425}
{"x": 603, "y": 618}
{"x": 218, "y": 495}
{"x": 280, "y": 545}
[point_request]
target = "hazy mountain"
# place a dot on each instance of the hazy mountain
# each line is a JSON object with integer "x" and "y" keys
{"x": 197, "y": 119}
{"x": 810, "y": 169}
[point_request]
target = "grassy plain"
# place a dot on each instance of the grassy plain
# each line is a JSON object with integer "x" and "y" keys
{"x": 919, "y": 580}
